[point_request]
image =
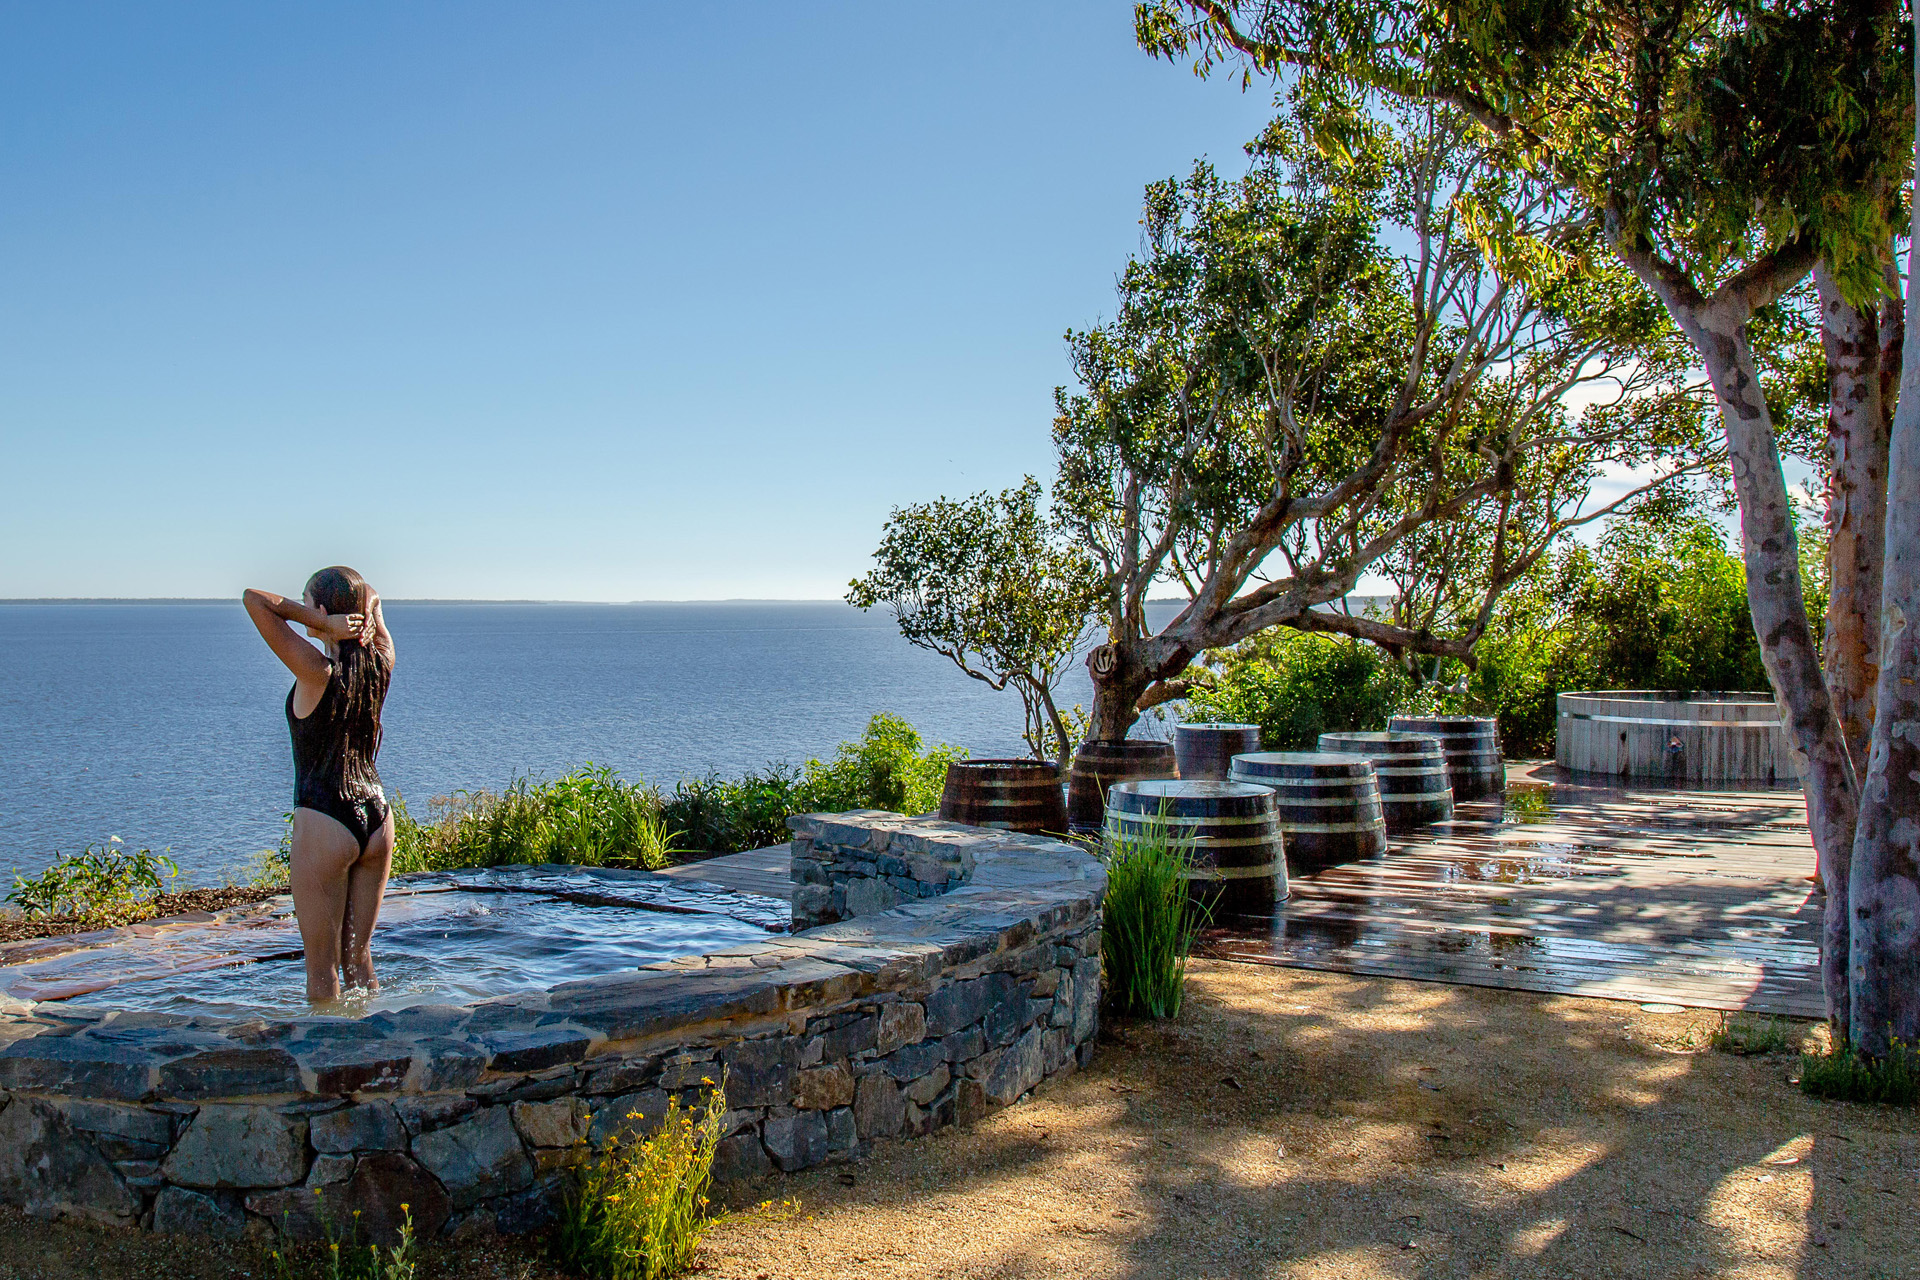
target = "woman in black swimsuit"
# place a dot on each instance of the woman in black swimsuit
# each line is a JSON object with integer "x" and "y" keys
{"x": 342, "y": 829}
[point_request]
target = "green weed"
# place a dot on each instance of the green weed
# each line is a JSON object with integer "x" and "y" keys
{"x": 1749, "y": 1036}
{"x": 638, "y": 1213}
{"x": 1150, "y": 920}
{"x": 104, "y": 882}
{"x": 349, "y": 1260}
{"x": 1843, "y": 1075}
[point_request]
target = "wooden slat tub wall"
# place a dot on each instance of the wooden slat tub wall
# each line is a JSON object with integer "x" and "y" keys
{"x": 1632, "y": 733}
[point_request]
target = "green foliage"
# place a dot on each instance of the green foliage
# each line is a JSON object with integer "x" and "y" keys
{"x": 1655, "y": 604}
{"x": 726, "y": 815}
{"x": 106, "y": 882}
{"x": 1298, "y": 685}
{"x": 1707, "y": 132}
{"x": 589, "y": 817}
{"x": 1150, "y": 919}
{"x": 593, "y": 817}
{"x": 995, "y": 587}
{"x": 1844, "y": 1075}
{"x": 1748, "y": 1036}
{"x": 638, "y": 1212}
{"x": 885, "y": 769}
{"x": 350, "y": 1260}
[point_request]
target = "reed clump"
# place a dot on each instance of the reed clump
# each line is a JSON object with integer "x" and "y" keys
{"x": 639, "y": 1211}
{"x": 1151, "y": 919}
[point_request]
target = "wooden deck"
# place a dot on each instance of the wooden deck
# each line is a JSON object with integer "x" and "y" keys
{"x": 1695, "y": 898}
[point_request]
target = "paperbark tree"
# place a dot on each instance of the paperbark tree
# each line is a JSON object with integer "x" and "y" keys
{"x": 1885, "y": 970}
{"x": 988, "y": 582}
{"x": 1282, "y": 401}
{"x": 1725, "y": 148}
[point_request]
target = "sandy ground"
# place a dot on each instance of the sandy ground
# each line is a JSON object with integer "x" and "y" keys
{"x": 1295, "y": 1124}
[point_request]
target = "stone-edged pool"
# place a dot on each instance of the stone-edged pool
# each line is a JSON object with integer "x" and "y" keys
{"x": 451, "y": 938}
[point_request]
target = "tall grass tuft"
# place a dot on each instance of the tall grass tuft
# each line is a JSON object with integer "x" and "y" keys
{"x": 589, "y": 817}
{"x": 639, "y": 1212}
{"x": 1843, "y": 1075}
{"x": 1151, "y": 920}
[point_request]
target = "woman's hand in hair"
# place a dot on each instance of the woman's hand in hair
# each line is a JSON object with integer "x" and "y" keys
{"x": 344, "y": 626}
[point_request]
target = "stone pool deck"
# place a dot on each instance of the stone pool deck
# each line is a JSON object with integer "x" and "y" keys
{"x": 889, "y": 1020}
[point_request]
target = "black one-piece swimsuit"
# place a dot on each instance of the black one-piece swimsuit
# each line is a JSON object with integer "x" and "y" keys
{"x": 319, "y": 774}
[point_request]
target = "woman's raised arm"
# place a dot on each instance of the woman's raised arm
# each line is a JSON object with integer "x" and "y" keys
{"x": 271, "y": 615}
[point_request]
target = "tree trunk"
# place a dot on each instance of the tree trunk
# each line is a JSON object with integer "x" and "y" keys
{"x": 1885, "y": 885}
{"x": 1857, "y": 426}
{"x": 1122, "y": 671}
{"x": 1771, "y": 553}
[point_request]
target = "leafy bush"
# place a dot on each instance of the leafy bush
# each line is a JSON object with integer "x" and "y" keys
{"x": 885, "y": 769}
{"x": 589, "y": 817}
{"x": 1843, "y": 1075}
{"x": 639, "y": 1212}
{"x": 1297, "y": 685}
{"x": 728, "y": 815}
{"x": 1150, "y": 921}
{"x": 102, "y": 881}
{"x": 593, "y": 817}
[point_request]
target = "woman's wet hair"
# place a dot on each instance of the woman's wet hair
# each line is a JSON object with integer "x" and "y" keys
{"x": 360, "y": 676}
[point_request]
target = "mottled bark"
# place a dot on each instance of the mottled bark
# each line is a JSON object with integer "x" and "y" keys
{"x": 1770, "y": 552}
{"x": 1885, "y": 884}
{"x": 1121, "y": 673}
{"x": 1857, "y": 426}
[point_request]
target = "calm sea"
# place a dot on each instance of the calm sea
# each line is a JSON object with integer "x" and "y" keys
{"x": 162, "y": 722}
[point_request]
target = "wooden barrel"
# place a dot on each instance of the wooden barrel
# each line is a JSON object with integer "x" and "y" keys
{"x": 1206, "y": 751}
{"x": 1239, "y": 859}
{"x": 1411, "y": 769}
{"x": 1328, "y": 804}
{"x": 1012, "y": 795}
{"x": 1688, "y": 739}
{"x": 1472, "y": 744}
{"x": 1098, "y": 765}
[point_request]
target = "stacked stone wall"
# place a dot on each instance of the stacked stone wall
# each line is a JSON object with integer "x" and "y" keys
{"x": 896, "y": 1020}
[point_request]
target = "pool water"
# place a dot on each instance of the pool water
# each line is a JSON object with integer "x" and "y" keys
{"x": 433, "y": 945}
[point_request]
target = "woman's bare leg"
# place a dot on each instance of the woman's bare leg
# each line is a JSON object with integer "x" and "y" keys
{"x": 366, "y": 885}
{"x": 323, "y": 853}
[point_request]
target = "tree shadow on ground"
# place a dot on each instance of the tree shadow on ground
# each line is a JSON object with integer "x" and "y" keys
{"x": 1297, "y": 1123}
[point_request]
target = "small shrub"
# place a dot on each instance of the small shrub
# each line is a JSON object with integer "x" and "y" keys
{"x": 1298, "y": 685}
{"x": 1150, "y": 921}
{"x": 1749, "y": 1036}
{"x": 638, "y": 1213}
{"x": 1844, "y": 1075}
{"x": 104, "y": 882}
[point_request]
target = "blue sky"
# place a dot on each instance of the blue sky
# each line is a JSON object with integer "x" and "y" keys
{"x": 552, "y": 301}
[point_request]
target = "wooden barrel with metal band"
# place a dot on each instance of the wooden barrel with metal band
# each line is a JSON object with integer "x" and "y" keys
{"x": 1239, "y": 857}
{"x": 1206, "y": 751}
{"x": 1098, "y": 765}
{"x": 1328, "y": 804}
{"x": 1472, "y": 744}
{"x": 1011, "y": 795}
{"x": 1411, "y": 769}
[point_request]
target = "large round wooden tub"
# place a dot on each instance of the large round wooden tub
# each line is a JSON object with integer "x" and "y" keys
{"x": 1690, "y": 739}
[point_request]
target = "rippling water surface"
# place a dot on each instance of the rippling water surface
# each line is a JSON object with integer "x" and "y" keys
{"x": 162, "y": 722}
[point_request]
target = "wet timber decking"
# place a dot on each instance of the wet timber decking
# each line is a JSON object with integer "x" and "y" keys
{"x": 1695, "y": 898}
